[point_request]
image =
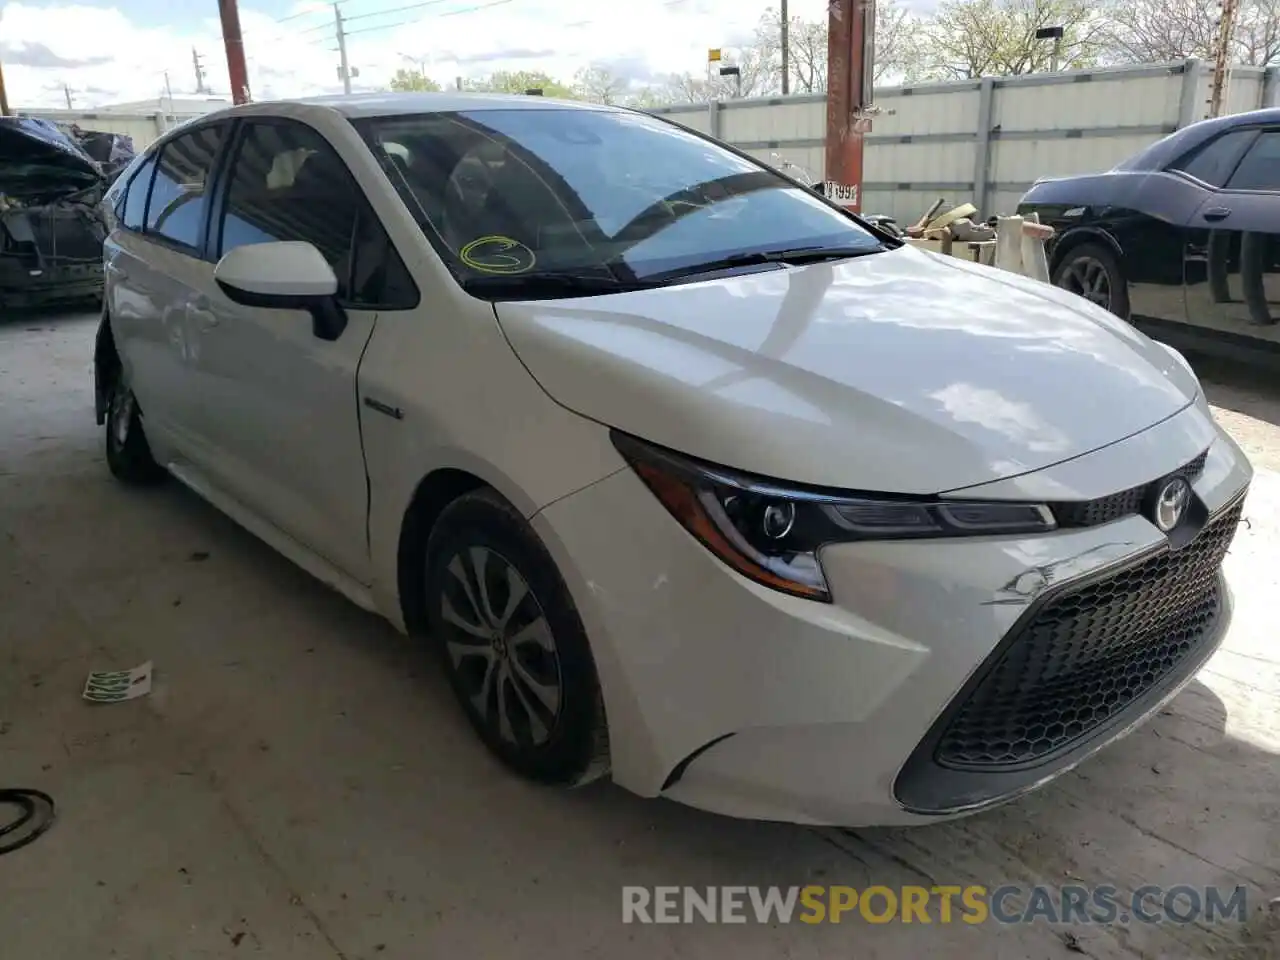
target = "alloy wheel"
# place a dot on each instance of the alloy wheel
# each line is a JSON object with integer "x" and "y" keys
{"x": 501, "y": 647}
{"x": 1088, "y": 278}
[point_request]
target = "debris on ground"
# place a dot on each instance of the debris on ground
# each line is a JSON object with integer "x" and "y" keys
{"x": 113, "y": 686}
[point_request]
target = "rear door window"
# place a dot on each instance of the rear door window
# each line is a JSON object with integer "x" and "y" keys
{"x": 178, "y": 198}
{"x": 133, "y": 214}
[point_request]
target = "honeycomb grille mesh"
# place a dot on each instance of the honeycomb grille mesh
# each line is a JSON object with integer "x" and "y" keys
{"x": 1089, "y": 654}
{"x": 1092, "y": 513}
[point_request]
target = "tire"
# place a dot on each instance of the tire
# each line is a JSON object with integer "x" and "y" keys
{"x": 128, "y": 454}
{"x": 1093, "y": 272}
{"x": 523, "y": 671}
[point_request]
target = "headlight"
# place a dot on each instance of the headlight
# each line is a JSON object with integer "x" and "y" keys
{"x": 772, "y": 533}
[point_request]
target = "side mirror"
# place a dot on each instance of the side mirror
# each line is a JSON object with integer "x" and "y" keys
{"x": 284, "y": 275}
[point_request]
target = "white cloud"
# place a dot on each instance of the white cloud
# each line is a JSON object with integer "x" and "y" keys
{"x": 44, "y": 47}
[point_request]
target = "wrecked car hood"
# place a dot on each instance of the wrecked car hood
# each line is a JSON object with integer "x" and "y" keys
{"x": 37, "y": 159}
{"x": 899, "y": 371}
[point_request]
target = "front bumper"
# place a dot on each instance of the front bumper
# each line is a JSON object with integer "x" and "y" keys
{"x": 737, "y": 699}
{"x": 22, "y": 286}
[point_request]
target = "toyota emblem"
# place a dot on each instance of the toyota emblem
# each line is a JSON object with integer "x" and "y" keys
{"x": 1171, "y": 503}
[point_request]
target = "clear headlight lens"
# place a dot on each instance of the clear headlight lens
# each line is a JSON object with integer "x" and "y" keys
{"x": 772, "y": 533}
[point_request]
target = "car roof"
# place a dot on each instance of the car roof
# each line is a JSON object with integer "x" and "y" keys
{"x": 386, "y": 104}
{"x": 1173, "y": 146}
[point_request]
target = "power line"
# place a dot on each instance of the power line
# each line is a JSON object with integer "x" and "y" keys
{"x": 401, "y": 23}
{"x": 302, "y": 13}
{"x": 382, "y": 13}
{"x": 319, "y": 26}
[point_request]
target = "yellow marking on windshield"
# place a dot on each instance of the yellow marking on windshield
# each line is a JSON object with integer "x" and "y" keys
{"x": 498, "y": 255}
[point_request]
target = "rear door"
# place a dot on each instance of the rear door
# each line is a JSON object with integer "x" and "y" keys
{"x": 156, "y": 266}
{"x": 1232, "y": 265}
{"x": 280, "y": 404}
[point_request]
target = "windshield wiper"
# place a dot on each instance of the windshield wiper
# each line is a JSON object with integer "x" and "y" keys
{"x": 790, "y": 255}
{"x": 521, "y": 286}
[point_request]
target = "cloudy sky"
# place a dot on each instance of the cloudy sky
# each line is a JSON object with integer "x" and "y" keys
{"x": 109, "y": 51}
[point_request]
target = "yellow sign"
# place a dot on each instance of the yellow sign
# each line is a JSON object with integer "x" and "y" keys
{"x": 497, "y": 255}
{"x": 713, "y": 55}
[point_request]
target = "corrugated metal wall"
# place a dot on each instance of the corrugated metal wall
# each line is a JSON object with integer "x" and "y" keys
{"x": 931, "y": 141}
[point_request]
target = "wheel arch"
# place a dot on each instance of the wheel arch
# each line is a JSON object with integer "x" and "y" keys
{"x": 434, "y": 492}
{"x": 1073, "y": 239}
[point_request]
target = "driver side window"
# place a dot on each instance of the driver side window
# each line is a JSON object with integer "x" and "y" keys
{"x": 1213, "y": 162}
{"x": 286, "y": 182}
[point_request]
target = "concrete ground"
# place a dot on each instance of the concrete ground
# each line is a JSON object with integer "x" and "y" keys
{"x": 301, "y": 785}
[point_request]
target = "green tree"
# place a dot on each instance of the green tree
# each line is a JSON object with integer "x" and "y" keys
{"x": 519, "y": 81}
{"x": 412, "y": 81}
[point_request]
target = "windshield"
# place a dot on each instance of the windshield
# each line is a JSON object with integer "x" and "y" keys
{"x": 595, "y": 193}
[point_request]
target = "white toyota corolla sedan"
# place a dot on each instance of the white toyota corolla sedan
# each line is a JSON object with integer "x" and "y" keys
{"x": 691, "y": 477}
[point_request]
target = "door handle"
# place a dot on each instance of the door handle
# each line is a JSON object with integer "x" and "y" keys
{"x": 1213, "y": 214}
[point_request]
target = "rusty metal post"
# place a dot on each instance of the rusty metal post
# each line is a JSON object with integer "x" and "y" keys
{"x": 850, "y": 32}
{"x": 236, "y": 69}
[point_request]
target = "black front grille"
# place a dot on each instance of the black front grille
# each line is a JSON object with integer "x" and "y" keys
{"x": 1092, "y": 513}
{"x": 1088, "y": 654}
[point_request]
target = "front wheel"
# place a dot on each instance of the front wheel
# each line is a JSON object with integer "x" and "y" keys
{"x": 1093, "y": 272}
{"x": 128, "y": 453}
{"x": 513, "y": 645}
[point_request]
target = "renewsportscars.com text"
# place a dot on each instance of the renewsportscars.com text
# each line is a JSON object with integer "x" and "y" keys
{"x": 972, "y": 904}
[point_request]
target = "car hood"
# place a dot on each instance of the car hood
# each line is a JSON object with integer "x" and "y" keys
{"x": 38, "y": 159}
{"x": 902, "y": 371}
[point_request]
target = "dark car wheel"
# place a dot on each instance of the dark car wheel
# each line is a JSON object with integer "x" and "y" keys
{"x": 513, "y": 645}
{"x": 1093, "y": 272}
{"x": 128, "y": 454}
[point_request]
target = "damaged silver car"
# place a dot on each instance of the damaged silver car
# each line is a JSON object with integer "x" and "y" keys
{"x": 52, "y": 181}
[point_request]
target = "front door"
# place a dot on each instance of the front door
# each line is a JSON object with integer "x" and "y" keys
{"x": 1232, "y": 265}
{"x": 281, "y": 403}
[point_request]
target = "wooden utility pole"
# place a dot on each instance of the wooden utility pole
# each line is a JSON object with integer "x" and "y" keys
{"x": 850, "y": 39}
{"x": 4, "y": 97}
{"x": 1222, "y": 57}
{"x": 234, "y": 42}
{"x": 344, "y": 68}
{"x": 786, "y": 49}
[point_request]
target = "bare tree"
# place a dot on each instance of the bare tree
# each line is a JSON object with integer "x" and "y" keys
{"x": 1157, "y": 31}
{"x": 684, "y": 88}
{"x": 1257, "y": 33}
{"x": 757, "y": 60}
{"x": 807, "y": 40}
{"x": 808, "y": 48}
{"x": 895, "y": 48}
{"x": 979, "y": 38}
{"x": 599, "y": 84}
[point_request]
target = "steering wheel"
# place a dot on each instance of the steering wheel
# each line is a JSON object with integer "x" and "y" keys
{"x": 466, "y": 194}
